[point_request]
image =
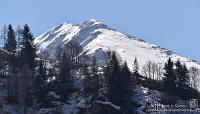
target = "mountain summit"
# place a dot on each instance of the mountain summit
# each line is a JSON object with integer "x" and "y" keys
{"x": 97, "y": 38}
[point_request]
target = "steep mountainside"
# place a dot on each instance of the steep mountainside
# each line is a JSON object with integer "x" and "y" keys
{"x": 97, "y": 38}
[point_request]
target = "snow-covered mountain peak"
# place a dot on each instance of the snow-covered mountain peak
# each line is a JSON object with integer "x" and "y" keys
{"x": 97, "y": 38}
{"x": 92, "y": 21}
{"x": 93, "y": 24}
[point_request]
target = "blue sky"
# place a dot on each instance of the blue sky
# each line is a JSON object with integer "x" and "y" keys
{"x": 173, "y": 24}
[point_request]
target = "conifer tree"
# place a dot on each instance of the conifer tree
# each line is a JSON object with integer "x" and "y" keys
{"x": 169, "y": 79}
{"x": 178, "y": 73}
{"x": 115, "y": 71}
{"x": 136, "y": 66}
{"x": 125, "y": 79}
{"x": 136, "y": 74}
{"x": 27, "y": 66}
{"x": 185, "y": 78}
{"x": 10, "y": 44}
{"x": 28, "y": 50}
{"x": 65, "y": 79}
{"x": 41, "y": 82}
{"x": 125, "y": 87}
{"x": 117, "y": 78}
{"x": 182, "y": 76}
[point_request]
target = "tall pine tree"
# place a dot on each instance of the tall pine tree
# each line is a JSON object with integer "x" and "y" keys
{"x": 117, "y": 78}
{"x": 27, "y": 64}
{"x": 136, "y": 74}
{"x": 170, "y": 78}
{"x": 28, "y": 49}
{"x": 182, "y": 81}
{"x": 115, "y": 71}
{"x": 126, "y": 88}
{"x": 185, "y": 78}
{"x": 65, "y": 78}
{"x": 178, "y": 72}
{"x": 41, "y": 82}
{"x": 10, "y": 44}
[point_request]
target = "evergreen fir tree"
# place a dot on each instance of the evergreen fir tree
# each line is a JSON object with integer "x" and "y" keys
{"x": 178, "y": 73}
{"x": 28, "y": 50}
{"x": 125, "y": 79}
{"x": 185, "y": 78}
{"x": 65, "y": 79}
{"x": 27, "y": 66}
{"x": 136, "y": 74}
{"x": 41, "y": 82}
{"x": 125, "y": 88}
{"x": 118, "y": 79}
{"x": 136, "y": 66}
{"x": 182, "y": 77}
{"x": 115, "y": 71}
{"x": 12, "y": 77}
{"x": 169, "y": 79}
{"x": 10, "y": 44}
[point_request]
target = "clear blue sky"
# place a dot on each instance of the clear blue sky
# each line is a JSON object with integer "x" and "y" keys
{"x": 173, "y": 24}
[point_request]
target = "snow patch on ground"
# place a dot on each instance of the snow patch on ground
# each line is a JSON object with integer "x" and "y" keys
{"x": 109, "y": 103}
{"x": 51, "y": 93}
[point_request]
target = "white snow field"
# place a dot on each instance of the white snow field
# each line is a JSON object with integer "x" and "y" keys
{"x": 97, "y": 38}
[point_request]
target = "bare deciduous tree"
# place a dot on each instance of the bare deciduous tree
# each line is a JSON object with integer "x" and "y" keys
{"x": 159, "y": 72}
{"x": 4, "y": 34}
{"x": 147, "y": 69}
{"x": 72, "y": 49}
{"x": 194, "y": 73}
{"x": 152, "y": 70}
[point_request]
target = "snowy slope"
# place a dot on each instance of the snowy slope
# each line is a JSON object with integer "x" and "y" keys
{"x": 55, "y": 37}
{"x": 97, "y": 38}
